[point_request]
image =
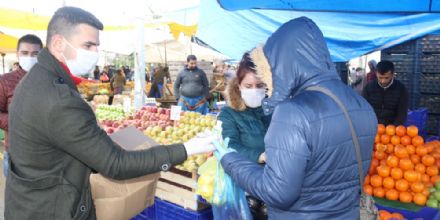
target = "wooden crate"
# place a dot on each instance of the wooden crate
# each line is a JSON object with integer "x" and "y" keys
{"x": 179, "y": 188}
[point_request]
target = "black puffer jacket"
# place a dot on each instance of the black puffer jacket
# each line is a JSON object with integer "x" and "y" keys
{"x": 391, "y": 104}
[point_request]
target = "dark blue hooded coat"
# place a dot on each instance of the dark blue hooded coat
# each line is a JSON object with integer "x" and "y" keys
{"x": 311, "y": 170}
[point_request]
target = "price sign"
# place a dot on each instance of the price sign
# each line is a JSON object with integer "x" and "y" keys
{"x": 175, "y": 112}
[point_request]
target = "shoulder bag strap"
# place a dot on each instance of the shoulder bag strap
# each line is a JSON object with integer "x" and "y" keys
{"x": 350, "y": 123}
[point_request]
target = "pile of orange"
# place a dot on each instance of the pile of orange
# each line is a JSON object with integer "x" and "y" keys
{"x": 385, "y": 215}
{"x": 403, "y": 167}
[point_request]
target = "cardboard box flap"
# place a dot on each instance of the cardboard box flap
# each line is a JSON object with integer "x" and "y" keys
{"x": 131, "y": 138}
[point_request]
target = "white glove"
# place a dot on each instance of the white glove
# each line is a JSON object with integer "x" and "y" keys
{"x": 200, "y": 144}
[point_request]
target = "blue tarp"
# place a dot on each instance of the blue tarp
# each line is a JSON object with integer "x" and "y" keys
{"x": 348, "y": 35}
{"x": 382, "y": 6}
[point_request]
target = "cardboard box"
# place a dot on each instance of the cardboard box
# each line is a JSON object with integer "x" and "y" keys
{"x": 123, "y": 199}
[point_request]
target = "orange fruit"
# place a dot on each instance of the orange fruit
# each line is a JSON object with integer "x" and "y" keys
{"x": 436, "y": 155}
{"x": 381, "y": 147}
{"x": 406, "y": 164}
{"x": 400, "y": 131}
{"x": 390, "y": 130}
{"x": 376, "y": 181}
{"x": 429, "y": 147}
{"x": 384, "y": 215}
{"x": 368, "y": 189}
{"x": 432, "y": 170}
{"x": 390, "y": 149}
{"x": 367, "y": 180}
{"x": 417, "y": 141}
{"x": 415, "y": 159}
{"x": 392, "y": 194}
{"x": 385, "y": 139}
{"x": 411, "y": 149}
{"x": 383, "y": 170}
{"x": 417, "y": 187}
{"x": 373, "y": 166}
{"x": 405, "y": 197}
{"x": 392, "y": 161}
{"x": 388, "y": 183}
{"x": 421, "y": 151}
{"x": 383, "y": 162}
{"x": 396, "y": 216}
{"x": 426, "y": 191}
{"x": 405, "y": 140}
{"x": 379, "y": 192}
{"x": 381, "y": 129}
{"x": 425, "y": 178}
{"x": 401, "y": 152}
{"x": 419, "y": 199}
{"x": 396, "y": 173}
{"x": 377, "y": 139}
{"x": 402, "y": 185}
{"x": 380, "y": 155}
{"x": 412, "y": 131}
{"x": 428, "y": 160}
{"x": 411, "y": 175}
{"x": 395, "y": 140}
{"x": 435, "y": 179}
{"x": 420, "y": 168}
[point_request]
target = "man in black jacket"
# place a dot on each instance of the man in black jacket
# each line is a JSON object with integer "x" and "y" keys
{"x": 55, "y": 140}
{"x": 387, "y": 95}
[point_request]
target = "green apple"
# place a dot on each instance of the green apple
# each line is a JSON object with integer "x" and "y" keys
{"x": 432, "y": 203}
{"x": 437, "y": 185}
{"x": 436, "y": 195}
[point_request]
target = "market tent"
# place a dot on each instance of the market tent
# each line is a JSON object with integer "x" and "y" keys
{"x": 8, "y": 44}
{"x": 400, "y": 6}
{"x": 178, "y": 51}
{"x": 348, "y": 35}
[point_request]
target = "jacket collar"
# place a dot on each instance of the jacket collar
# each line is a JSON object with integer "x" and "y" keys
{"x": 54, "y": 67}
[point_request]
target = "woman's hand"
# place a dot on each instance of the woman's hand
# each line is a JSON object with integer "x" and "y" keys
{"x": 262, "y": 158}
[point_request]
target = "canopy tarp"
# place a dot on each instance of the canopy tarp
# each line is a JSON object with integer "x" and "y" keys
{"x": 178, "y": 51}
{"x": 348, "y": 35}
{"x": 8, "y": 44}
{"x": 382, "y": 6}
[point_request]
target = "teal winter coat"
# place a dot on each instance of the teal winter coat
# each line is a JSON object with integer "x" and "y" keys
{"x": 246, "y": 130}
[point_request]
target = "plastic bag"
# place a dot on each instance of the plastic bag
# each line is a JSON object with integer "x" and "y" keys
{"x": 229, "y": 201}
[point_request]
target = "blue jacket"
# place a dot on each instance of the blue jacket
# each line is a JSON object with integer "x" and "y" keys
{"x": 246, "y": 130}
{"x": 311, "y": 170}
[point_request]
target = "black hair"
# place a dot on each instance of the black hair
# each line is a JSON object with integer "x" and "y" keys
{"x": 246, "y": 65}
{"x": 30, "y": 39}
{"x": 385, "y": 66}
{"x": 65, "y": 20}
{"x": 191, "y": 57}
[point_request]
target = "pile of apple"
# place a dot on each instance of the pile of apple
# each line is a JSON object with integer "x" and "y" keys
{"x": 156, "y": 124}
{"x": 109, "y": 112}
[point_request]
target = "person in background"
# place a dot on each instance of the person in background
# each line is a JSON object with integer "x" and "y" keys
{"x": 55, "y": 139}
{"x": 15, "y": 66}
{"x": 96, "y": 73}
{"x": 103, "y": 77}
{"x": 372, "y": 74}
{"x": 28, "y": 48}
{"x": 357, "y": 80}
{"x": 217, "y": 87}
{"x": 387, "y": 95}
{"x": 191, "y": 87}
{"x": 117, "y": 83}
{"x": 244, "y": 121}
{"x": 160, "y": 77}
{"x": 311, "y": 170}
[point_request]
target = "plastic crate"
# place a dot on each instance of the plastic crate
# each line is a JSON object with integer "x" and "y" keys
{"x": 431, "y": 102}
{"x": 432, "y": 124}
{"x": 434, "y": 138}
{"x": 147, "y": 214}
{"x": 424, "y": 213}
{"x": 429, "y": 83}
{"x": 169, "y": 211}
{"x": 419, "y": 118}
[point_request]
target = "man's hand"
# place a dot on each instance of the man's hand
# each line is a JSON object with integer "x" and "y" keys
{"x": 262, "y": 158}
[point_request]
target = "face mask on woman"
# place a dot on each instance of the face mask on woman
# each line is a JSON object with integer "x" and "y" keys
{"x": 253, "y": 97}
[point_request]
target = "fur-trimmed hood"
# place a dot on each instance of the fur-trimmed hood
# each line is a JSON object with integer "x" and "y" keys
{"x": 233, "y": 95}
{"x": 294, "y": 57}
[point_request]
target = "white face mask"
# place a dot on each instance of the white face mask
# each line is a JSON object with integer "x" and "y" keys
{"x": 27, "y": 63}
{"x": 84, "y": 62}
{"x": 253, "y": 97}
